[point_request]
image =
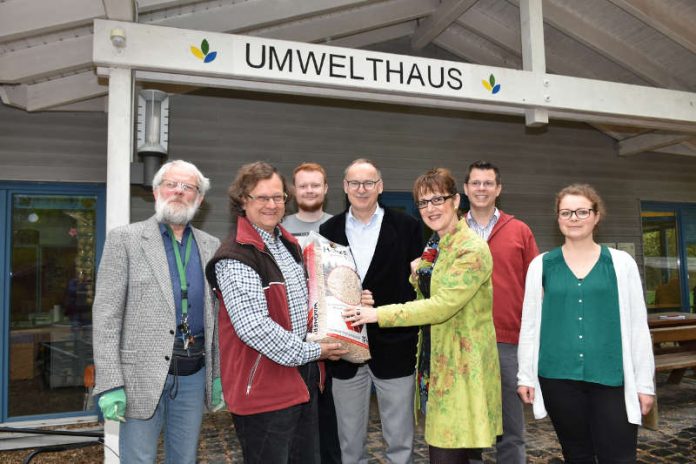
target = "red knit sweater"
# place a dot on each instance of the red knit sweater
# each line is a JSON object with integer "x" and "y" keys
{"x": 513, "y": 247}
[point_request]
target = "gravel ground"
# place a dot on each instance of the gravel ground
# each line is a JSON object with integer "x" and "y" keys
{"x": 673, "y": 442}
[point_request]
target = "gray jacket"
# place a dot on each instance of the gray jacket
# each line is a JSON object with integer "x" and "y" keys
{"x": 134, "y": 318}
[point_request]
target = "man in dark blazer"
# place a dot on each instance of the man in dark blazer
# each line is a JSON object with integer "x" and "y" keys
{"x": 155, "y": 347}
{"x": 383, "y": 243}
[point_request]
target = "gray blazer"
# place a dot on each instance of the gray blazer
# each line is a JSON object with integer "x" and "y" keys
{"x": 134, "y": 320}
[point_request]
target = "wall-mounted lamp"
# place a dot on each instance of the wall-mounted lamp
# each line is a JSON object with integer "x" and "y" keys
{"x": 118, "y": 37}
{"x": 153, "y": 131}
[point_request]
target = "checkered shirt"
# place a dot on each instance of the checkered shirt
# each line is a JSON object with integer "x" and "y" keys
{"x": 246, "y": 304}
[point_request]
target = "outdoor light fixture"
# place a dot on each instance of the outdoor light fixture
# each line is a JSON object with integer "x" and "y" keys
{"x": 153, "y": 131}
{"x": 118, "y": 37}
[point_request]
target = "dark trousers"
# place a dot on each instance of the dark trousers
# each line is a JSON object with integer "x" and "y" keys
{"x": 590, "y": 421}
{"x": 448, "y": 455}
{"x": 290, "y": 435}
{"x": 329, "y": 445}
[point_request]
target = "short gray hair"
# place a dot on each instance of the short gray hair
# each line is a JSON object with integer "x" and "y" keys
{"x": 362, "y": 161}
{"x": 203, "y": 182}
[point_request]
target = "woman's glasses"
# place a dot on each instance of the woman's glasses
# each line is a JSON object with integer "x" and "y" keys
{"x": 580, "y": 213}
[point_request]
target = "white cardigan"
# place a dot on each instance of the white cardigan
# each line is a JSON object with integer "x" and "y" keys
{"x": 636, "y": 344}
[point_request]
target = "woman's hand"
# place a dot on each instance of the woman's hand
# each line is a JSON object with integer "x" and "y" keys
{"x": 366, "y": 298}
{"x": 414, "y": 267}
{"x": 359, "y": 315}
{"x": 646, "y": 402}
{"x": 526, "y": 394}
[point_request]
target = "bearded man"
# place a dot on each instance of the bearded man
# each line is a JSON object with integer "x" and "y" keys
{"x": 154, "y": 322}
{"x": 309, "y": 188}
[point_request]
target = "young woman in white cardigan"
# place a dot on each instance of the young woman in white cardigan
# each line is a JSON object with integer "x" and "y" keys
{"x": 584, "y": 341}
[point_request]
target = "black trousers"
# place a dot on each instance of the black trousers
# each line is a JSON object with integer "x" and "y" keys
{"x": 290, "y": 435}
{"x": 590, "y": 421}
{"x": 329, "y": 445}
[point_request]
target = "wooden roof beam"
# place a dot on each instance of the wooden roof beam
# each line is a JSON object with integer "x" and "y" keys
{"x": 63, "y": 91}
{"x": 664, "y": 17}
{"x": 121, "y": 10}
{"x": 27, "y": 64}
{"x": 533, "y": 54}
{"x": 650, "y": 142}
{"x": 384, "y": 34}
{"x": 252, "y": 14}
{"x": 438, "y": 21}
{"x": 31, "y": 17}
{"x": 602, "y": 42}
{"x": 353, "y": 21}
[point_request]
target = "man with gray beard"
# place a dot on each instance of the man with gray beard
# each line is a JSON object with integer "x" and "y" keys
{"x": 154, "y": 320}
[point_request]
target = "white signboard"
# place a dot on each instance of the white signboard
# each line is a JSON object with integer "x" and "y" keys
{"x": 199, "y": 53}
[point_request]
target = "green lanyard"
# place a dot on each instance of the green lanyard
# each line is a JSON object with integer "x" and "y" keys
{"x": 181, "y": 267}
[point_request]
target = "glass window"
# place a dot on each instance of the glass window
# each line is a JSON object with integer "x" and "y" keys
{"x": 662, "y": 277}
{"x": 669, "y": 251}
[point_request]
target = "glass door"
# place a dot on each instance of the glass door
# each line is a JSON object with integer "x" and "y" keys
{"x": 53, "y": 238}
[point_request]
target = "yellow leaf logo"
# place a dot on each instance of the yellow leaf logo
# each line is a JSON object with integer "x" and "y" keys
{"x": 197, "y": 52}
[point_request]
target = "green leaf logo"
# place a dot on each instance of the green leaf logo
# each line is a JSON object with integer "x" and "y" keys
{"x": 204, "y": 54}
{"x": 490, "y": 85}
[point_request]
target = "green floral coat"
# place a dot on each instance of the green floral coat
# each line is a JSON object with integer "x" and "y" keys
{"x": 464, "y": 404}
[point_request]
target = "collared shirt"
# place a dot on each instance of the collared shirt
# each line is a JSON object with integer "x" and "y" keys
{"x": 362, "y": 238}
{"x": 194, "y": 279}
{"x": 483, "y": 231}
{"x": 246, "y": 305}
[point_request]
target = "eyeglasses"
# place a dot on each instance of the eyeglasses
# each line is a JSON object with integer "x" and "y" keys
{"x": 436, "y": 201}
{"x": 486, "y": 184}
{"x": 173, "y": 185}
{"x": 367, "y": 185}
{"x": 580, "y": 213}
{"x": 278, "y": 199}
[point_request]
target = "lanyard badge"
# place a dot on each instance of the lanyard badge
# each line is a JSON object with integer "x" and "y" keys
{"x": 184, "y": 327}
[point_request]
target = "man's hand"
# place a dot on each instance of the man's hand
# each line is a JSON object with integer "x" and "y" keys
{"x": 526, "y": 394}
{"x": 113, "y": 405}
{"x": 217, "y": 397}
{"x": 366, "y": 298}
{"x": 331, "y": 351}
{"x": 646, "y": 402}
{"x": 414, "y": 267}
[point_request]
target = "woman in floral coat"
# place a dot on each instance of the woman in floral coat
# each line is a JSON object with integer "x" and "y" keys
{"x": 458, "y": 372}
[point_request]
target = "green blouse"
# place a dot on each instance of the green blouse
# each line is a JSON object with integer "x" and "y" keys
{"x": 580, "y": 326}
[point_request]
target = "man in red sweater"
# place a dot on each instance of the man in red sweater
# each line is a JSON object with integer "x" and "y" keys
{"x": 513, "y": 247}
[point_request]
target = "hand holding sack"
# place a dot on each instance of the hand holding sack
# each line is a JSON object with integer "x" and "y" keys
{"x": 333, "y": 285}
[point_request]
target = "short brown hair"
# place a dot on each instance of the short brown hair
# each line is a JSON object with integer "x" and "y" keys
{"x": 483, "y": 166}
{"x": 587, "y": 191}
{"x": 438, "y": 180}
{"x": 247, "y": 177}
{"x": 309, "y": 167}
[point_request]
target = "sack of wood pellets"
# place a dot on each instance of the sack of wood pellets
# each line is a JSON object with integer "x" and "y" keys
{"x": 334, "y": 284}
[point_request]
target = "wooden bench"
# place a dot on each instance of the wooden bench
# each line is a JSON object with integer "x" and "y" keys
{"x": 675, "y": 350}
